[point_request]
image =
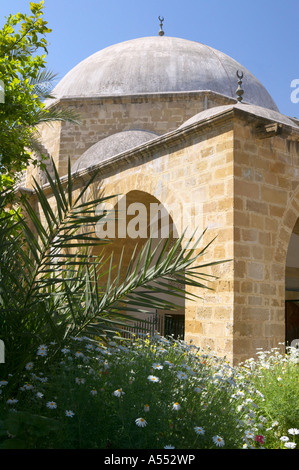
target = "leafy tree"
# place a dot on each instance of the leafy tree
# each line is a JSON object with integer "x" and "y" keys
{"x": 21, "y": 38}
{"x": 23, "y": 48}
{"x": 42, "y": 86}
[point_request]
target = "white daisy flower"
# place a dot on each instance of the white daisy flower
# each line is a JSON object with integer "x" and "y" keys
{"x": 79, "y": 380}
{"x": 218, "y": 441}
{"x": 259, "y": 393}
{"x": 29, "y": 366}
{"x": 169, "y": 363}
{"x": 12, "y": 401}
{"x": 146, "y": 408}
{"x": 41, "y": 353}
{"x": 28, "y": 387}
{"x": 43, "y": 379}
{"x": 42, "y": 350}
{"x": 169, "y": 447}
{"x": 153, "y": 378}
{"x": 79, "y": 354}
{"x": 199, "y": 430}
{"x": 157, "y": 366}
{"x": 141, "y": 422}
{"x": 176, "y": 406}
{"x": 182, "y": 375}
{"x": 290, "y": 445}
{"x": 293, "y": 431}
{"x": 3, "y": 382}
{"x": 162, "y": 350}
{"x": 69, "y": 413}
{"x": 51, "y": 404}
{"x": 39, "y": 395}
{"x": 118, "y": 393}
{"x": 93, "y": 392}
{"x": 284, "y": 439}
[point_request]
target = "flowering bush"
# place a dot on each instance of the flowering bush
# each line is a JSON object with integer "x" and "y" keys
{"x": 147, "y": 394}
{"x": 277, "y": 375}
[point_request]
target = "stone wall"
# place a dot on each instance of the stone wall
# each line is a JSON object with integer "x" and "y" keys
{"x": 266, "y": 209}
{"x": 193, "y": 176}
{"x": 101, "y": 117}
{"x": 242, "y": 187}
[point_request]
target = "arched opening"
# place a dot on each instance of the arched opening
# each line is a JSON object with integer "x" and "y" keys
{"x": 130, "y": 222}
{"x": 292, "y": 288}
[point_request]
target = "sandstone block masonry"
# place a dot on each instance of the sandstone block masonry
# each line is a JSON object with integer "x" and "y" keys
{"x": 240, "y": 183}
{"x": 101, "y": 117}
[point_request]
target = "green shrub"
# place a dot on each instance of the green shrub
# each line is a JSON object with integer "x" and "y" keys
{"x": 276, "y": 375}
{"x": 145, "y": 394}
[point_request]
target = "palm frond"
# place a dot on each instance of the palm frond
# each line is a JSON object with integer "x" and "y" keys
{"x": 50, "y": 115}
{"x": 53, "y": 286}
{"x": 42, "y": 84}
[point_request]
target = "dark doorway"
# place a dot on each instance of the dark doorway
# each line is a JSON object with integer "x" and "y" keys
{"x": 174, "y": 325}
{"x": 292, "y": 321}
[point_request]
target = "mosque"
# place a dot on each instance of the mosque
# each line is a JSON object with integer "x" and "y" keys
{"x": 176, "y": 123}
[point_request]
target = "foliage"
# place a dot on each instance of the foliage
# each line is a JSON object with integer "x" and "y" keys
{"x": 51, "y": 290}
{"x": 277, "y": 375}
{"x": 26, "y": 430}
{"x": 21, "y": 38}
{"x": 27, "y": 84}
{"x": 52, "y": 287}
{"x": 149, "y": 393}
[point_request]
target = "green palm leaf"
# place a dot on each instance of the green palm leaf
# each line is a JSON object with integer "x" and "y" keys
{"x": 53, "y": 287}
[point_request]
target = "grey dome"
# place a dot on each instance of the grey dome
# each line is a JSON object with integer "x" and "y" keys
{"x": 111, "y": 146}
{"x": 251, "y": 109}
{"x": 158, "y": 65}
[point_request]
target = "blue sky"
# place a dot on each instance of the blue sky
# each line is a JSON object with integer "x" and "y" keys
{"x": 260, "y": 34}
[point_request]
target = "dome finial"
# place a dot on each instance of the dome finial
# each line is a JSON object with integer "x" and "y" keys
{"x": 161, "y": 32}
{"x": 239, "y": 90}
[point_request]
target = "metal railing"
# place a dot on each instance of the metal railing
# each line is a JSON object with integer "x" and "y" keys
{"x": 164, "y": 324}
